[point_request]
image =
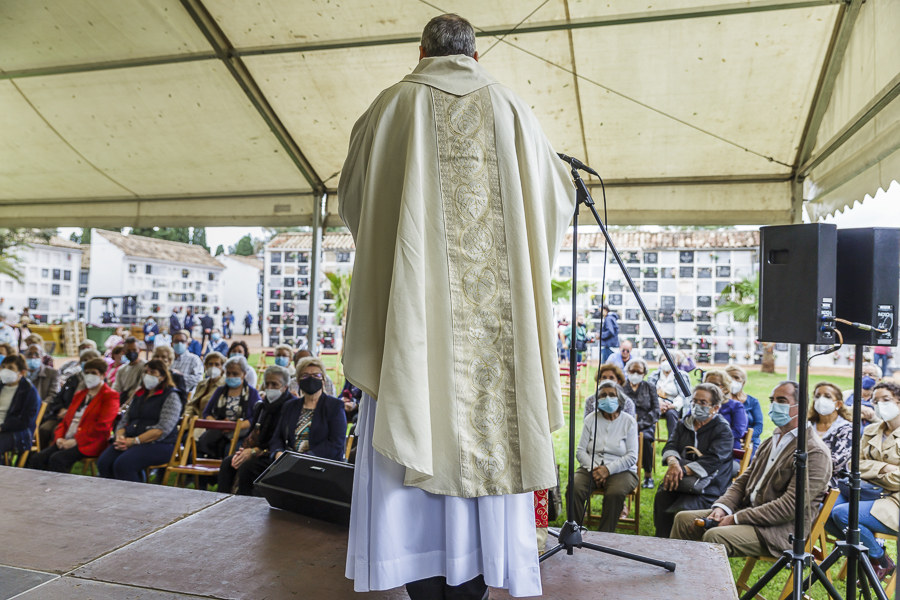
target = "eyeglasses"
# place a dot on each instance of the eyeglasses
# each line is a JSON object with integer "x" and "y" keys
{"x": 705, "y": 403}
{"x": 308, "y": 375}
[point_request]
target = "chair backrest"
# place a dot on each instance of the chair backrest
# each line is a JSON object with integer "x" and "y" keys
{"x": 748, "y": 451}
{"x": 180, "y": 442}
{"x": 817, "y": 531}
{"x": 190, "y": 451}
{"x": 36, "y": 439}
{"x": 348, "y": 448}
{"x": 640, "y": 453}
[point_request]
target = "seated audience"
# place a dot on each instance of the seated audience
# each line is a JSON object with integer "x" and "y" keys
{"x": 237, "y": 399}
{"x": 214, "y": 378}
{"x": 7, "y": 349}
{"x": 130, "y": 376}
{"x": 879, "y": 467}
{"x": 730, "y": 410}
{"x": 56, "y": 409}
{"x": 609, "y": 444}
{"x": 300, "y": 355}
{"x": 36, "y": 340}
{"x": 756, "y": 514}
{"x": 167, "y": 355}
{"x": 314, "y": 424}
{"x": 148, "y": 431}
{"x": 217, "y": 344}
{"x": 871, "y": 375}
{"x": 117, "y": 356}
{"x": 7, "y": 333}
{"x": 283, "y": 358}
{"x": 612, "y": 373}
{"x": 45, "y": 379}
{"x": 751, "y": 404}
{"x": 85, "y": 430}
{"x": 189, "y": 365}
{"x": 239, "y": 348}
{"x": 194, "y": 346}
{"x": 834, "y": 425}
{"x": 699, "y": 454}
{"x": 241, "y": 469}
{"x": 19, "y": 405}
{"x": 646, "y": 406}
{"x": 671, "y": 400}
{"x": 622, "y": 356}
{"x": 116, "y": 339}
{"x": 74, "y": 366}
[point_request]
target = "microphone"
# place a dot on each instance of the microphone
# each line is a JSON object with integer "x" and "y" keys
{"x": 578, "y": 164}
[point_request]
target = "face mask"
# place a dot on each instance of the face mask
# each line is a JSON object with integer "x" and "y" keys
{"x": 310, "y": 385}
{"x": 91, "y": 381}
{"x": 635, "y": 378}
{"x": 665, "y": 368}
{"x": 214, "y": 372}
{"x": 824, "y": 406}
{"x": 273, "y": 395}
{"x": 7, "y": 376}
{"x": 282, "y": 361}
{"x": 131, "y": 356}
{"x": 868, "y": 382}
{"x": 216, "y": 337}
{"x": 233, "y": 382}
{"x": 608, "y": 404}
{"x": 179, "y": 347}
{"x": 33, "y": 363}
{"x": 886, "y": 411}
{"x": 151, "y": 381}
{"x": 700, "y": 413}
{"x": 736, "y": 387}
{"x": 780, "y": 414}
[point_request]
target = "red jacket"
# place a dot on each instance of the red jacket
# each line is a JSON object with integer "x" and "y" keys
{"x": 96, "y": 423}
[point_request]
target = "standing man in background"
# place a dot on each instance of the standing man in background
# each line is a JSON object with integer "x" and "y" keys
{"x": 609, "y": 333}
{"x": 174, "y": 322}
{"x": 206, "y": 324}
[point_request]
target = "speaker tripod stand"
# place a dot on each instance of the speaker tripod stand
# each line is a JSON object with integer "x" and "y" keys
{"x": 569, "y": 536}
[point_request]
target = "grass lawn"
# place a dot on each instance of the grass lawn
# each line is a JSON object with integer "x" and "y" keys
{"x": 758, "y": 385}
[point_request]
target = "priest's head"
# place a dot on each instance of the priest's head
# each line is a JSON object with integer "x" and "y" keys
{"x": 447, "y": 35}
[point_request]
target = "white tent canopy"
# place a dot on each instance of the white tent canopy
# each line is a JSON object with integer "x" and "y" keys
{"x": 226, "y": 112}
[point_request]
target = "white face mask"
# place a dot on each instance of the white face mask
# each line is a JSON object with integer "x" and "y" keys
{"x": 273, "y": 395}
{"x": 214, "y": 372}
{"x": 8, "y": 377}
{"x": 886, "y": 411}
{"x": 824, "y": 406}
{"x": 151, "y": 381}
{"x": 666, "y": 368}
{"x": 91, "y": 381}
{"x": 736, "y": 387}
{"x": 635, "y": 378}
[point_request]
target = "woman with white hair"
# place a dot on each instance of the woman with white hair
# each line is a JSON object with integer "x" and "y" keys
{"x": 646, "y": 406}
{"x": 607, "y": 454}
{"x": 234, "y": 400}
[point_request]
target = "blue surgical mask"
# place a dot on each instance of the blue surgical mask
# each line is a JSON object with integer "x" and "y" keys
{"x": 868, "y": 382}
{"x": 282, "y": 361}
{"x": 232, "y": 382}
{"x": 33, "y": 363}
{"x": 608, "y": 404}
{"x": 780, "y": 414}
{"x": 216, "y": 337}
{"x": 179, "y": 347}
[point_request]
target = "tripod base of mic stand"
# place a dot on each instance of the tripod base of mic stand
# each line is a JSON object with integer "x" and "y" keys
{"x": 569, "y": 537}
{"x": 858, "y": 554}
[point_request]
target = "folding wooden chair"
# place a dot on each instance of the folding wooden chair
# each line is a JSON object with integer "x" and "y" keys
{"x": 348, "y": 448}
{"x": 261, "y": 365}
{"x": 177, "y": 451}
{"x": 745, "y": 453}
{"x": 891, "y": 581}
{"x": 815, "y": 545}
{"x": 632, "y": 501}
{"x": 20, "y": 459}
{"x": 202, "y": 466}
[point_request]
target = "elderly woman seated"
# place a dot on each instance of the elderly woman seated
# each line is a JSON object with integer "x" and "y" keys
{"x": 84, "y": 431}
{"x": 239, "y": 348}
{"x": 167, "y": 355}
{"x": 328, "y": 388}
{"x": 237, "y": 399}
{"x": 57, "y": 406}
{"x": 238, "y": 471}
{"x": 646, "y": 404}
{"x": 699, "y": 455}
{"x": 213, "y": 379}
{"x": 147, "y": 433}
{"x": 671, "y": 402}
{"x": 608, "y": 372}
{"x": 314, "y": 424}
{"x": 19, "y": 405}
{"x": 607, "y": 454}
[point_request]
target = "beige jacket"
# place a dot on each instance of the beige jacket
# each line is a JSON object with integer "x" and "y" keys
{"x": 202, "y": 393}
{"x": 876, "y": 451}
{"x": 458, "y": 205}
{"x": 772, "y": 512}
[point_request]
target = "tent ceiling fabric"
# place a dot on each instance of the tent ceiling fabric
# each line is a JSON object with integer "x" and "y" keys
{"x": 123, "y": 114}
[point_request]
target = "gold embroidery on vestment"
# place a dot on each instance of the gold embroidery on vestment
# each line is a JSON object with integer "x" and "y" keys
{"x": 479, "y": 295}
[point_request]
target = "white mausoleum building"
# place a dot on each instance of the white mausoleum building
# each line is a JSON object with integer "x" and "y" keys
{"x": 49, "y": 286}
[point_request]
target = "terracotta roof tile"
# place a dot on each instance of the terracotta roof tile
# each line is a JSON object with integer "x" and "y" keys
{"x": 139, "y": 246}
{"x": 302, "y": 240}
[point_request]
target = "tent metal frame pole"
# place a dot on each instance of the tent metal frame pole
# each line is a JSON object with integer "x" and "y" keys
{"x": 315, "y": 261}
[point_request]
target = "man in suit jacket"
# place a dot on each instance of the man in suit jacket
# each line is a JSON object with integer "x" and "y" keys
{"x": 45, "y": 379}
{"x": 756, "y": 514}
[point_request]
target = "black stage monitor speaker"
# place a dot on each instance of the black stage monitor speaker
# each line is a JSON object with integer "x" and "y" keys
{"x": 868, "y": 288}
{"x": 315, "y": 487}
{"x": 797, "y": 283}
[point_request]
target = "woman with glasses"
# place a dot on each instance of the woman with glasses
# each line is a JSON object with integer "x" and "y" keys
{"x": 237, "y": 399}
{"x": 315, "y": 423}
{"x": 698, "y": 454}
{"x": 646, "y": 404}
{"x": 608, "y": 372}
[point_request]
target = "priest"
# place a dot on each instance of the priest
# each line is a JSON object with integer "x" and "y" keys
{"x": 457, "y": 204}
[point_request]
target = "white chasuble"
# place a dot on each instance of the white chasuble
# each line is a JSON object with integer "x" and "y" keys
{"x": 458, "y": 205}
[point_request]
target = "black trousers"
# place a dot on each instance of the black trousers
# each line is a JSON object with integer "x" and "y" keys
{"x": 54, "y": 459}
{"x": 649, "y": 435}
{"x": 246, "y": 330}
{"x": 244, "y": 475}
{"x": 663, "y": 520}
{"x": 436, "y": 588}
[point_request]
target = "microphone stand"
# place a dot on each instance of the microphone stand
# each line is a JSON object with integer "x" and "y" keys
{"x": 569, "y": 536}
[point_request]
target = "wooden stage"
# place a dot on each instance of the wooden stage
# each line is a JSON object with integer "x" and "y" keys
{"x": 82, "y": 538}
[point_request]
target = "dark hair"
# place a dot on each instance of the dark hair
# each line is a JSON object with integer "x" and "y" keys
{"x": 131, "y": 340}
{"x": 449, "y": 34}
{"x": 239, "y": 344}
{"x": 713, "y": 390}
{"x": 98, "y": 364}
{"x": 119, "y": 349}
{"x": 890, "y": 386}
{"x": 160, "y": 366}
{"x": 17, "y": 360}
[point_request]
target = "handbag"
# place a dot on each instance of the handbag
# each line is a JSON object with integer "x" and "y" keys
{"x": 693, "y": 484}
{"x": 867, "y": 491}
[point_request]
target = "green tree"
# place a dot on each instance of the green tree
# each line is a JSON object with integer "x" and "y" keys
{"x": 198, "y": 237}
{"x": 561, "y": 289}
{"x": 340, "y": 290}
{"x": 220, "y": 250}
{"x": 14, "y": 239}
{"x": 244, "y": 246}
{"x": 741, "y": 299}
